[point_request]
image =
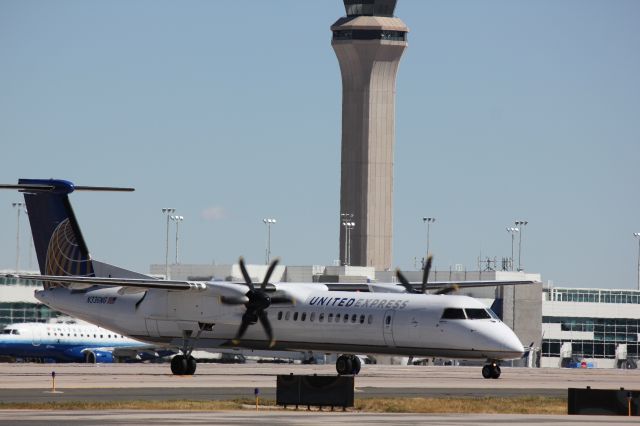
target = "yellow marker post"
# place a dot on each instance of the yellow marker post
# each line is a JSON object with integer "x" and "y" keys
{"x": 256, "y": 392}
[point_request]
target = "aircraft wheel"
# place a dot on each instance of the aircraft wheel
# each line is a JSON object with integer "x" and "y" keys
{"x": 179, "y": 365}
{"x": 344, "y": 365}
{"x": 496, "y": 372}
{"x": 486, "y": 371}
{"x": 191, "y": 366}
{"x": 356, "y": 365}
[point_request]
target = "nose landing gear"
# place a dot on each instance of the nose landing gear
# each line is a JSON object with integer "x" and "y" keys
{"x": 348, "y": 364}
{"x": 491, "y": 371}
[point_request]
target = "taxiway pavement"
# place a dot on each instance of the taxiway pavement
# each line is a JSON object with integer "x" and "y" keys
{"x": 103, "y": 382}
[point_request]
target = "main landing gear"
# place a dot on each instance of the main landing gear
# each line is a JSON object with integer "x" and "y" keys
{"x": 491, "y": 371}
{"x": 348, "y": 364}
{"x": 184, "y": 364}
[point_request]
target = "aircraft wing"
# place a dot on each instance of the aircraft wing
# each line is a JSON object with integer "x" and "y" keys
{"x": 435, "y": 285}
{"x": 133, "y": 285}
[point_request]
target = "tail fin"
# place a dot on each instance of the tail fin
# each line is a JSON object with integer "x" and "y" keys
{"x": 59, "y": 245}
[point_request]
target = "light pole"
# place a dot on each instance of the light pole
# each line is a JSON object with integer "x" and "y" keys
{"x": 637, "y": 235}
{"x": 428, "y": 221}
{"x": 348, "y": 223}
{"x": 177, "y": 220}
{"x": 18, "y": 206}
{"x": 513, "y": 232}
{"x": 168, "y": 211}
{"x": 348, "y": 226}
{"x": 520, "y": 224}
{"x": 268, "y": 222}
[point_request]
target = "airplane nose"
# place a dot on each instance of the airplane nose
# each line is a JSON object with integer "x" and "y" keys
{"x": 512, "y": 345}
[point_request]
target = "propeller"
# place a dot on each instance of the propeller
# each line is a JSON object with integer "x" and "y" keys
{"x": 404, "y": 282}
{"x": 256, "y": 301}
{"x": 425, "y": 278}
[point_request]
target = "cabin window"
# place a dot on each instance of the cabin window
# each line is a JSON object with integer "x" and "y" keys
{"x": 477, "y": 313}
{"x": 370, "y": 319}
{"x": 295, "y": 316}
{"x": 279, "y": 315}
{"x": 321, "y": 317}
{"x": 346, "y": 318}
{"x": 330, "y": 319}
{"x": 338, "y": 317}
{"x": 387, "y": 320}
{"x": 303, "y": 317}
{"x": 287, "y": 315}
{"x": 361, "y": 319}
{"x": 101, "y": 336}
{"x": 453, "y": 313}
{"x": 354, "y": 318}
{"x": 312, "y": 316}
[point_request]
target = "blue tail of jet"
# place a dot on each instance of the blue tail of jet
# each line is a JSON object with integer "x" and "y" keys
{"x": 58, "y": 241}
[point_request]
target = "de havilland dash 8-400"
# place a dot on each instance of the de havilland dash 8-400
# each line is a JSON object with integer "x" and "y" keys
{"x": 334, "y": 318}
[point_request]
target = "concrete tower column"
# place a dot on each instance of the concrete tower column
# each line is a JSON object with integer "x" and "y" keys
{"x": 368, "y": 42}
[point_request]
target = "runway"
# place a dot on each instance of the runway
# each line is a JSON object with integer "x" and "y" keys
{"x": 117, "y": 382}
{"x": 113, "y": 417}
{"x": 113, "y": 382}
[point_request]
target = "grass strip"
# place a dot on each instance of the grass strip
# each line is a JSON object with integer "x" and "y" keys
{"x": 487, "y": 405}
{"x": 458, "y": 405}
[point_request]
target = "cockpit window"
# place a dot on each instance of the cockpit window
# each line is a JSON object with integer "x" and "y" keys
{"x": 453, "y": 313}
{"x": 10, "y": 331}
{"x": 477, "y": 313}
{"x": 493, "y": 315}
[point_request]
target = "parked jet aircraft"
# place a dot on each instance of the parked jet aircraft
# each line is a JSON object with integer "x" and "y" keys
{"x": 70, "y": 341}
{"x": 389, "y": 319}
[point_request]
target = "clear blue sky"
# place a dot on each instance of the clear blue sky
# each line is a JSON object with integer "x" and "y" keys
{"x": 229, "y": 111}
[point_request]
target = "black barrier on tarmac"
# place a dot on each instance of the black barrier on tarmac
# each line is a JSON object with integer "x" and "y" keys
{"x": 322, "y": 391}
{"x": 607, "y": 402}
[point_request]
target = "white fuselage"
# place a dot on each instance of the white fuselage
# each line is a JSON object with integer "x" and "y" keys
{"x": 320, "y": 320}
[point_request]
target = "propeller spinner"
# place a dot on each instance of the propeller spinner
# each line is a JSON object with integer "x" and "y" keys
{"x": 256, "y": 301}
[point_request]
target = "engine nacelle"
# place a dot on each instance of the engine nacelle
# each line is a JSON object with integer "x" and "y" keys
{"x": 93, "y": 356}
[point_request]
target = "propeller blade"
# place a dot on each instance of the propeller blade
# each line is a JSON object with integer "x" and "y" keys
{"x": 231, "y": 300}
{"x": 425, "y": 275}
{"x": 243, "y": 327}
{"x": 245, "y": 274}
{"x": 264, "y": 320}
{"x": 404, "y": 282}
{"x": 267, "y": 276}
{"x": 448, "y": 289}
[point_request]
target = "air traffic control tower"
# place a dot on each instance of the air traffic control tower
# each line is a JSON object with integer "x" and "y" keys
{"x": 369, "y": 42}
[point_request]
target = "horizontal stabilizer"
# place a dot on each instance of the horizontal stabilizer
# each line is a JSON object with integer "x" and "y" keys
{"x": 58, "y": 186}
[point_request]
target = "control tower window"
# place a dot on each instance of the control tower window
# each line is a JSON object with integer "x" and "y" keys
{"x": 369, "y": 35}
{"x": 453, "y": 313}
{"x": 369, "y": 7}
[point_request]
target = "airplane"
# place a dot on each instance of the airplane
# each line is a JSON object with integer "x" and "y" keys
{"x": 380, "y": 318}
{"x": 70, "y": 341}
